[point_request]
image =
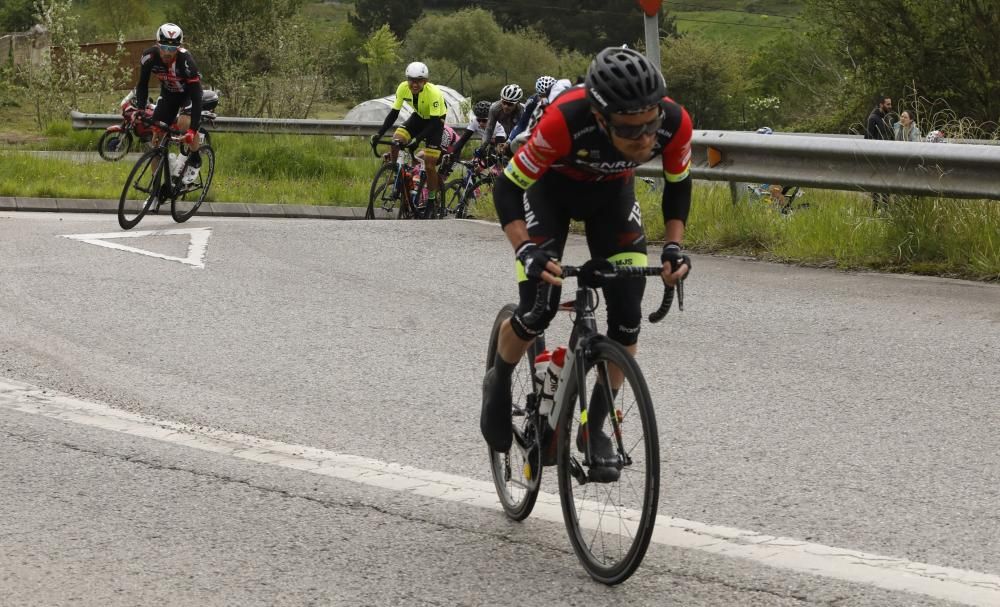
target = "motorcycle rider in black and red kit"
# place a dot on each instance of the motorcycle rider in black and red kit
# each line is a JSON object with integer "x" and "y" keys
{"x": 180, "y": 85}
{"x": 579, "y": 163}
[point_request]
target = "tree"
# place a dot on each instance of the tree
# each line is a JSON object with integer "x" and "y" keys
{"x": 947, "y": 51}
{"x": 399, "y": 15}
{"x": 705, "y": 79}
{"x": 120, "y": 15}
{"x": 17, "y": 15}
{"x": 258, "y": 53}
{"x": 582, "y": 25}
{"x": 379, "y": 53}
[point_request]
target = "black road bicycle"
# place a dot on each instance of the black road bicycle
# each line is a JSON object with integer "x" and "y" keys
{"x": 461, "y": 193}
{"x": 399, "y": 187}
{"x": 152, "y": 182}
{"x": 609, "y": 523}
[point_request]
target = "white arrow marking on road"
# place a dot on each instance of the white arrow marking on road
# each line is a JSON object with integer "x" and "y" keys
{"x": 196, "y": 247}
{"x": 959, "y": 585}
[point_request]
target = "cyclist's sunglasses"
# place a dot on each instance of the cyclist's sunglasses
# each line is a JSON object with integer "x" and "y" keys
{"x": 170, "y": 48}
{"x": 636, "y": 131}
{"x": 507, "y": 103}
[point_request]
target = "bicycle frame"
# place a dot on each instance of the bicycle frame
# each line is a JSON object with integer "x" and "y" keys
{"x": 408, "y": 169}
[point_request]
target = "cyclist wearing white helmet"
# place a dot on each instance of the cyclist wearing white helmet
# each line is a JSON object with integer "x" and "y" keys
{"x": 507, "y": 112}
{"x": 534, "y": 104}
{"x": 426, "y": 123}
{"x": 180, "y": 84}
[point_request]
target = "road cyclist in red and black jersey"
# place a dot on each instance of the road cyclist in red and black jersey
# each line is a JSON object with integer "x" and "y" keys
{"x": 579, "y": 163}
{"x": 180, "y": 85}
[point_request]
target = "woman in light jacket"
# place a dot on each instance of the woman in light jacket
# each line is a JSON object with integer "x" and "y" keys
{"x": 906, "y": 129}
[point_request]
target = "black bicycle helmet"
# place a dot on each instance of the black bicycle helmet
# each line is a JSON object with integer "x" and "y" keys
{"x": 623, "y": 81}
{"x": 482, "y": 109}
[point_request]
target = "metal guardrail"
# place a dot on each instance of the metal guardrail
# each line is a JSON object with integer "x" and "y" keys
{"x": 834, "y": 163}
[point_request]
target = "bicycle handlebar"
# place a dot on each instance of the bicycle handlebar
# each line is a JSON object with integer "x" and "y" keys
{"x": 597, "y": 273}
{"x": 411, "y": 147}
{"x": 163, "y": 126}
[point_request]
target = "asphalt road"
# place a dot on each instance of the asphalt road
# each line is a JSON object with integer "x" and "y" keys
{"x": 856, "y": 411}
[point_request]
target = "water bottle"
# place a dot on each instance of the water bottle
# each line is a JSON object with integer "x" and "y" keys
{"x": 175, "y": 169}
{"x": 543, "y": 365}
{"x": 554, "y": 370}
{"x": 175, "y": 163}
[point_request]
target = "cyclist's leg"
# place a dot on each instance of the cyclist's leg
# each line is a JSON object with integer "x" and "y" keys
{"x": 432, "y": 152}
{"x": 548, "y": 225}
{"x": 615, "y": 232}
{"x": 166, "y": 111}
{"x": 403, "y": 135}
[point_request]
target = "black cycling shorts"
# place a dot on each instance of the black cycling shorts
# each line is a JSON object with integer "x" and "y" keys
{"x": 429, "y": 130}
{"x": 613, "y": 225}
{"x": 168, "y": 106}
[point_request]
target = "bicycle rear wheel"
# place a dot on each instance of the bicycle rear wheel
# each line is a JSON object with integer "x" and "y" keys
{"x": 182, "y": 208}
{"x": 610, "y": 524}
{"x": 517, "y": 474}
{"x": 381, "y": 191}
{"x": 142, "y": 188}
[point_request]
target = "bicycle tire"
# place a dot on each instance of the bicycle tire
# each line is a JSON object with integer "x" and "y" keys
{"x": 517, "y": 496}
{"x": 635, "y": 506}
{"x": 131, "y": 212}
{"x": 453, "y": 199}
{"x": 114, "y": 145}
{"x": 385, "y": 176}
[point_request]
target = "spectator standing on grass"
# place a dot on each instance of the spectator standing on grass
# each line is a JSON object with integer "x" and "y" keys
{"x": 878, "y": 127}
{"x": 906, "y": 129}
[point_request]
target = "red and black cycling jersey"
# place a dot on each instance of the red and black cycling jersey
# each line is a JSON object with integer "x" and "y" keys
{"x": 175, "y": 77}
{"x": 179, "y": 79}
{"x": 569, "y": 141}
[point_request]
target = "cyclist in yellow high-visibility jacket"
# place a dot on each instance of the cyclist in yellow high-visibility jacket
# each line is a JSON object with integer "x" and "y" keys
{"x": 426, "y": 123}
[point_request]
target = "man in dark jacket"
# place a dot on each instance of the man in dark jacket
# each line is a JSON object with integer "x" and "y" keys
{"x": 878, "y": 127}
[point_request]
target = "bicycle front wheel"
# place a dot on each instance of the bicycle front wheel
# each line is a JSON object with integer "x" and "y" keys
{"x": 142, "y": 188}
{"x": 184, "y": 206}
{"x": 610, "y": 524}
{"x": 517, "y": 474}
{"x": 457, "y": 198}
{"x": 381, "y": 195}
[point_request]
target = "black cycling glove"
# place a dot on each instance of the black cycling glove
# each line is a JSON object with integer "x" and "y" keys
{"x": 534, "y": 258}
{"x": 672, "y": 252}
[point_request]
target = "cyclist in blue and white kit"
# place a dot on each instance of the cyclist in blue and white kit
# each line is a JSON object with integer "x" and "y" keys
{"x": 534, "y": 103}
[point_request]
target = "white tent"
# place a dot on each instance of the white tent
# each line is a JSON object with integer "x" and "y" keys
{"x": 375, "y": 110}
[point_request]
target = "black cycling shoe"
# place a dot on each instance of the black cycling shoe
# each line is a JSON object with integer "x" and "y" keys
{"x": 497, "y": 413}
{"x": 605, "y": 465}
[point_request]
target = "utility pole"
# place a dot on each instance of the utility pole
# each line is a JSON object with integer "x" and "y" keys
{"x": 652, "y": 22}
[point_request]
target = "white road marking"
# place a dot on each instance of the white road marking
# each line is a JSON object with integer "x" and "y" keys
{"x": 961, "y": 586}
{"x": 196, "y": 247}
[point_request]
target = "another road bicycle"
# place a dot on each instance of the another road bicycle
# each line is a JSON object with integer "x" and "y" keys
{"x": 609, "y": 518}
{"x": 159, "y": 176}
{"x": 461, "y": 193}
{"x": 400, "y": 187}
